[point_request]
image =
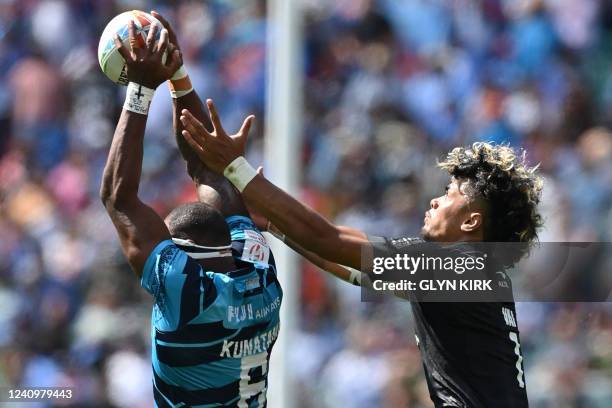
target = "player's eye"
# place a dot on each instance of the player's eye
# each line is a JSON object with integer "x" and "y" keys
{"x": 446, "y": 190}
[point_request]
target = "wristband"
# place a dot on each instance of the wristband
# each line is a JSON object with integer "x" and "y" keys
{"x": 179, "y": 74}
{"x": 138, "y": 98}
{"x": 240, "y": 173}
{"x": 180, "y": 84}
{"x": 355, "y": 277}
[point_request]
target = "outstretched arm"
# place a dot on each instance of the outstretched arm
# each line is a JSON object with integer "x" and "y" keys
{"x": 349, "y": 275}
{"x": 213, "y": 189}
{"x": 300, "y": 223}
{"x": 138, "y": 226}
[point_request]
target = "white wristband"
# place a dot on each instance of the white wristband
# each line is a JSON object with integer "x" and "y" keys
{"x": 138, "y": 98}
{"x": 180, "y": 94}
{"x": 180, "y": 84}
{"x": 355, "y": 277}
{"x": 179, "y": 74}
{"x": 240, "y": 173}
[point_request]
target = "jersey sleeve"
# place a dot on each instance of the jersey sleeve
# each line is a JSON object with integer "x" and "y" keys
{"x": 178, "y": 284}
{"x": 163, "y": 266}
{"x": 383, "y": 247}
{"x": 388, "y": 247}
{"x": 249, "y": 246}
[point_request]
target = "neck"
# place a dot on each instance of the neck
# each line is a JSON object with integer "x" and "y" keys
{"x": 471, "y": 238}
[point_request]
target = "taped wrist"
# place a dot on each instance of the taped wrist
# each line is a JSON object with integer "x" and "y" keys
{"x": 240, "y": 173}
{"x": 180, "y": 83}
{"x": 138, "y": 98}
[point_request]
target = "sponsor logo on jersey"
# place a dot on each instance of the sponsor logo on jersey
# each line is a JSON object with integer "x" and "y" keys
{"x": 256, "y": 248}
{"x": 237, "y": 314}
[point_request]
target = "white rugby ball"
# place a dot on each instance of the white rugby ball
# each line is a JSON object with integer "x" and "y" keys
{"x": 111, "y": 61}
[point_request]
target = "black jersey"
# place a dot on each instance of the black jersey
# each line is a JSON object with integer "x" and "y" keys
{"x": 471, "y": 351}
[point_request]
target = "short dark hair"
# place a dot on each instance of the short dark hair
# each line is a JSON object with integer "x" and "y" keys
{"x": 509, "y": 187}
{"x": 199, "y": 222}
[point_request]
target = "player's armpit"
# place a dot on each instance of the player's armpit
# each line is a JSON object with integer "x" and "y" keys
{"x": 140, "y": 229}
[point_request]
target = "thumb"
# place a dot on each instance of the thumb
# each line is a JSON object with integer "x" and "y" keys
{"x": 175, "y": 62}
{"x": 243, "y": 133}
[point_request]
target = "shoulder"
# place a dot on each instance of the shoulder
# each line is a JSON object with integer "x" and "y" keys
{"x": 163, "y": 256}
{"x": 249, "y": 246}
{"x": 164, "y": 261}
{"x": 393, "y": 245}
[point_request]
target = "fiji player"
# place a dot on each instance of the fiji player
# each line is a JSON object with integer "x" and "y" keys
{"x": 471, "y": 351}
{"x": 214, "y": 322}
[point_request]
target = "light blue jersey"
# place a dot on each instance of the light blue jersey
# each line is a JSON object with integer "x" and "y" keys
{"x": 248, "y": 245}
{"x": 212, "y": 333}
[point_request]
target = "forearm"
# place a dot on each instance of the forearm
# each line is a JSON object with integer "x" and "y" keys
{"x": 212, "y": 188}
{"x": 138, "y": 226}
{"x": 349, "y": 275}
{"x": 302, "y": 225}
{"x": 193, "y": 103}
{"x": 123, "y": 168}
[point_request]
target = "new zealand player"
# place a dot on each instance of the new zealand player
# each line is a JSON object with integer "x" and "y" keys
{"x": 214, "y": 322}
{"x": 471, "y": 351}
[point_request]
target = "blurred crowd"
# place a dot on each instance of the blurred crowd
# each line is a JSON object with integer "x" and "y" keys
{"x": 389, "y": 86}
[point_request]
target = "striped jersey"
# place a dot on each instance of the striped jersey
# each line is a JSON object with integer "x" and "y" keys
{"x": 212, "y": 333}
{"x": 248, "y": 245}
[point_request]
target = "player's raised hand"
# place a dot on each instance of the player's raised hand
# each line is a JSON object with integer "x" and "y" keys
{"x": 171, "y": 34}
{"x": 216, "y": 149}
{"x": 145, "y": 64}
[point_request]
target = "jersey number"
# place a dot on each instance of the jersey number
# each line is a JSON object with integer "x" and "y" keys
{"x": 253, "y": 371}
{"x": 519, "y": 359}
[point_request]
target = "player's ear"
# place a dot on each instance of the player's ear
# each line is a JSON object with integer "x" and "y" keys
{"x": 472, "y": 222}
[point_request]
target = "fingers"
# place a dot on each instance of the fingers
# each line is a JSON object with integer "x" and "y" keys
{"x": 192, "y": 142}
{"x": 246, "y": 125}
{"x": 162, "y": 44}
{"x": 194, "y": 126}
{"x": 121, "y": 48}
{"x": 161, "y": 20}
{"x": 175, "y": 62}
{"x": 260, "y": 171}
{"x": 132, "y": 35}
{"x": 214, "y": 116}
{"x": 171, "y": 54}
{"x": 243, "y": 133}
{"x": 151, "y": 38}
{"x": 166, "y": 25}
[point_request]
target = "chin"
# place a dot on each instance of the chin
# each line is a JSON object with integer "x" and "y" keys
{"x": 428, "y": 236}
{"x": 425, "y": 234}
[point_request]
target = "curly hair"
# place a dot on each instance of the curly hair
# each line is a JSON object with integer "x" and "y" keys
{"x": 502, "y": 178}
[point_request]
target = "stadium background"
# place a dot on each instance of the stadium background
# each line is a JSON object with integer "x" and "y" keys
{"x": 389, "y": 86}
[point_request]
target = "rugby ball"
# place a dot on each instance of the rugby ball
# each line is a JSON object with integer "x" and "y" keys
{"x": 111, "y": 61}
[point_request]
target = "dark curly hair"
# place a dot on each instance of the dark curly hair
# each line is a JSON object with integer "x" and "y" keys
{"x": 509, "y": 187}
